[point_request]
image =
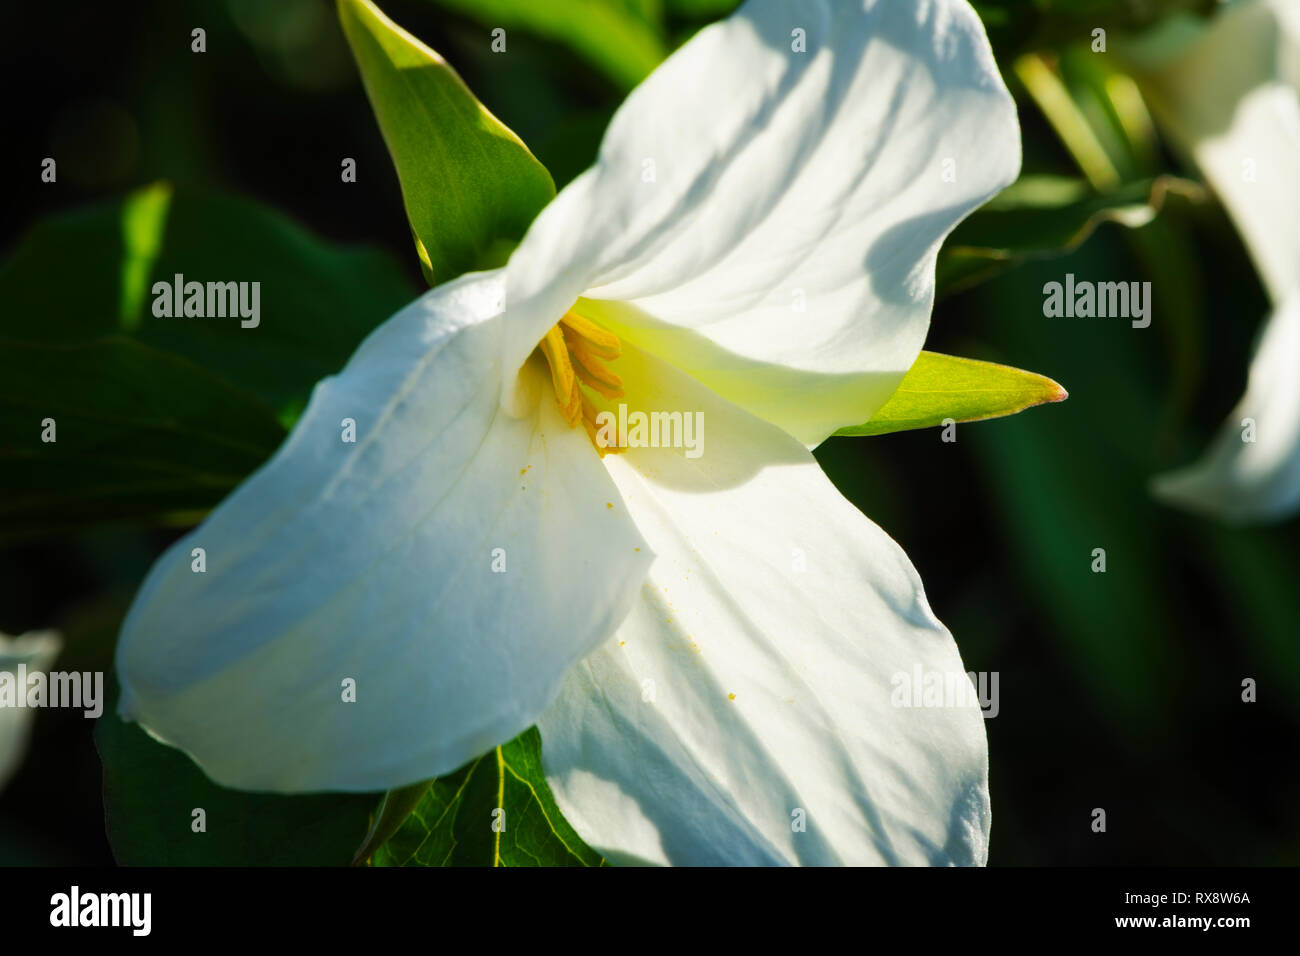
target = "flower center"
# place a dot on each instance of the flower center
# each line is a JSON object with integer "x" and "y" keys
{"x": 577, "y": 349}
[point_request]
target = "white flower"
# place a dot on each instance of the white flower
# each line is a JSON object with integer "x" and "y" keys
{"x": 1228, "y": 93}
{"x": 706, "y": 643}
{"x": 35, "y": 651}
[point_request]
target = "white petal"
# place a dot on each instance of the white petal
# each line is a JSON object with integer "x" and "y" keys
{"x": 373, "y": 562}
{"x": 1227, "y": 95}
{"x": 784, "y": 251}
{"x": 1255, "y": 480}
{"x": 35, "y": 650}
{"x": 770, "y": 586}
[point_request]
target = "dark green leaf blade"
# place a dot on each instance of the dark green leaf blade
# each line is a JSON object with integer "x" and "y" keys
{"x": 76, "y": 277}
{"x": 393, "y": 811}
{"x": 159, "y": 417}
{"x": 453, "y": 825}
{"x": 151, "y": 792}
{"x": 138, "y": 433}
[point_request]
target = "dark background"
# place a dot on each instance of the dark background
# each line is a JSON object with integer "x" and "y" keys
{"x": 1119, "y": 690}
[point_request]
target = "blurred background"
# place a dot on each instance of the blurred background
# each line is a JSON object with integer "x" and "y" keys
{"x": 1119, "y": 691}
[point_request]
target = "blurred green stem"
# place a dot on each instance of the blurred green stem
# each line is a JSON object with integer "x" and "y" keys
{"x": 1052, "y": 97}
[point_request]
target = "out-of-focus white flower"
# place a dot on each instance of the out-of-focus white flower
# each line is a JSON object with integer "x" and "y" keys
{"x": 35, "y": 651}
{"x": 1228, "y": 93}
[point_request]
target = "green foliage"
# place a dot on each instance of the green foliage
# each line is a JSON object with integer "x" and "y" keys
{"x": 140, "y": 433}
{"x": 151, "y": 792}
{"x": 1044, "y": 217}
{"x": 701, "y": 8}
{"x": 621, "y": 38}
{"x": 453, "y": 822}
{"x": 1017, "y": 26}
{"x": 470, "y": 186}
{"x": 159, "y": 415}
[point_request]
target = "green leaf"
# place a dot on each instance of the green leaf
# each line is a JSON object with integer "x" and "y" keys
{"x": 393, "y": 811}
{"x": 939, "y": 387}
{"x": 621, "y": 38}
{"x": 469, "y": 184}
{"x": 151, "y": 792}
{"x": 138, "y": 433}
{"x": 453, "y": 824}
{"x": 1043, "y": 217}
{"x": 76, "y": 277}
{"x": 159, "y": 418}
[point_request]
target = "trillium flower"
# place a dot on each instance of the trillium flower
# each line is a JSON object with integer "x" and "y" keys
{"x": 33, "y": 652}
{"x": 1228, "y": 93}
{"x": 708, "y": 644}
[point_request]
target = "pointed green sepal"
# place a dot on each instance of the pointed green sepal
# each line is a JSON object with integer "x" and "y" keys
{"x": 469, "y": 184}
{"x": 942, "y": 387}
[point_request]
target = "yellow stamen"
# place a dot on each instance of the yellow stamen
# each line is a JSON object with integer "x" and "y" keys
{"x": 573, "y": 410}
{"x": 589, "y": 413}
{"x": 597, "y": 341}
{"x": 592, "y": 372}
{"x": 601, "y": 449}
{"x": 576, "y": 350}
{"x": 563, "y": 378}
